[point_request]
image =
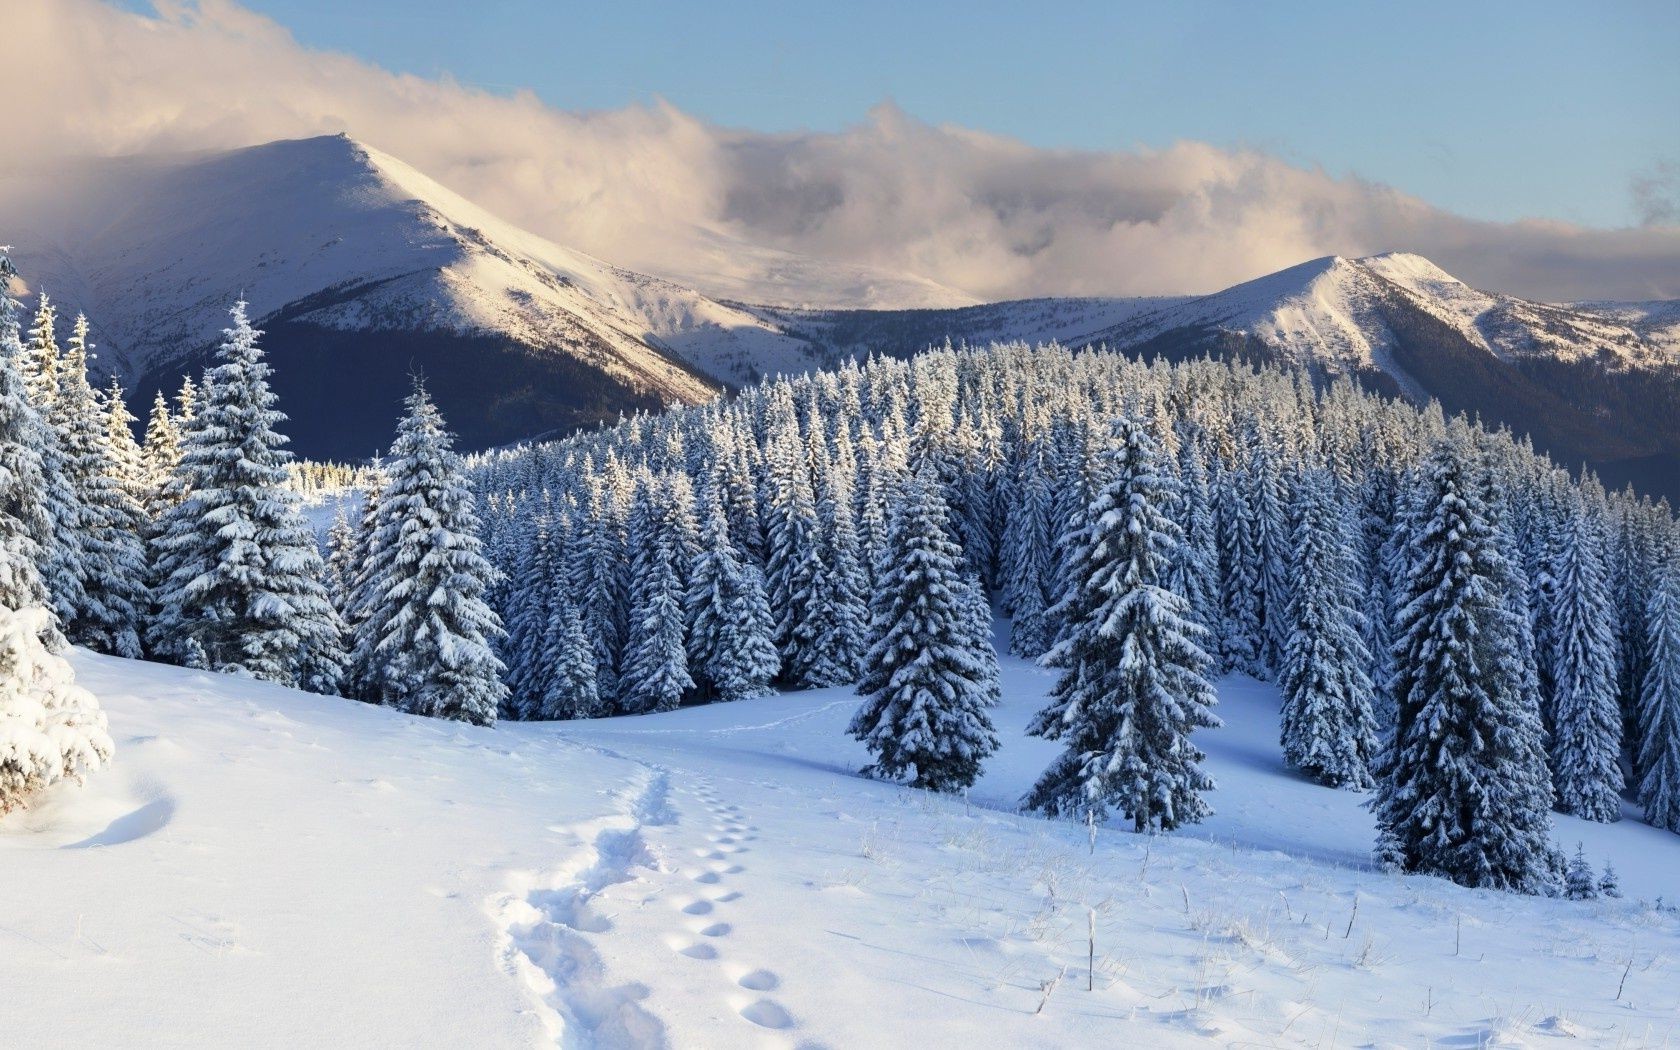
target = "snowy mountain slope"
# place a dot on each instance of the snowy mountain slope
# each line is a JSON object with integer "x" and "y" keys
{"x": 343, "y": 250}
{"x": 719, "y": 877}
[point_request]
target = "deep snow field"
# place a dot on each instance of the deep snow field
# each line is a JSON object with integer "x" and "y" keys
{"x": 267, "y": 868}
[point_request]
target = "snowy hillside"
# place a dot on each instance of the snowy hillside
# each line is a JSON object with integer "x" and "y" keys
{"x": 719, "y": 877}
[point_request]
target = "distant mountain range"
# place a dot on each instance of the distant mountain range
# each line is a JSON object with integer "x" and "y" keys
{"x": 364, "y": 270}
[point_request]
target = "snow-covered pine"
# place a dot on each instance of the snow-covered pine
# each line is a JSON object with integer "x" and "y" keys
{"x": 796, "y": 569}
{"x": 367, "y": 565}
{"x": 1240, "y": 576}
{"x": 112, "y": 556}
{"x": 239, "y": 575}
{"x": 51, "y": 729}
{"x": 126, "y": 455}
{"x": 1608, "y": 884}
{"x": 160, "y": 455}
{"x": 1133, "y": 685}
{"x": 1455, "y": 788}
{"x": 1328, "y": 731}
{"x": 569, "y": 687}
{"x": 930, "y": 675}
{"x": 730, "y": 650}
{"x": 433, "y": 629}
{"x": 24, "y": 521}
{"x": 1195, "y": 571}
{"x": 656, "y": 658}
{"x": 1580, "y": 883}
{"x": 1029, "y": 556}
{"x": 1587, "y": 727}
{"x": 1659, "y": 702}
{"x": 41, "y": 365}
{"x": 62, "y": 559}
{"x": 341, "y": 562}
{"x": 1270, "y": 505}
{"x": 844, "y": 590}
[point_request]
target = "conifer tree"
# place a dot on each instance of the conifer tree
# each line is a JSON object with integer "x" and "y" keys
{"x": 62, "y": 542}
{"x": 656, "y": 660}
{"x": 929, "y": 678}
{"x": 111, "y": 561}
{"x": 434, "y": 629}
{"x": 1580, "y": 884}
{"x": 1659, "y": 704}
{"x": 1133, "y": 685}
{"x": 1028, "y": 556}
{"x": 796, "y": 569}
{"x": 160, "y": 455}
{"x": 239, "y": 573}
{"x": 125, "y": 450}
{"x": 1462, "y": 786}
{"x": 569, "y": 689}
{"x": 1240, "y": 641}
{"x": 1328, "y": 730}
{"x": 1608, "y": 884}
{"x": 24, "y": 518}
{"x": 730, "y": 649}
{"x": 1587, "y": 730}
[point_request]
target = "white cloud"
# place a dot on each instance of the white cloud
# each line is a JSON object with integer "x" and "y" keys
{"x": 654, "y": 188}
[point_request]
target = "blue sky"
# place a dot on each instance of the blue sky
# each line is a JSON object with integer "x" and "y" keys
{"x": 1496, "y": 111}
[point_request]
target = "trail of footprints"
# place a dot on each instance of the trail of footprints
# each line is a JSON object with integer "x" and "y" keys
{"x": 706, "y": 913}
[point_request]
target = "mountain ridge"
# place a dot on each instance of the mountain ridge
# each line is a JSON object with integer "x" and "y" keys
{"x": 364, "y": 269}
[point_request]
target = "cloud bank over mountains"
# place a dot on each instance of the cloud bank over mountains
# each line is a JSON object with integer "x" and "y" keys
{"x": 656, "y": 189}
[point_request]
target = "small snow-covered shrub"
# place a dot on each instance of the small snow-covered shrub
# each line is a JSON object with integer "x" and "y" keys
{"x": 51, "y": 729}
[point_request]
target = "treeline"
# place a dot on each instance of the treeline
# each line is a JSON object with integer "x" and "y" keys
{"x": 1453, "y": 621}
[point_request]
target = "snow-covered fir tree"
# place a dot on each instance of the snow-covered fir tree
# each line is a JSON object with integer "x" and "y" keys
{"x": 1457, "y": 788}
{"x": 730, "y": 649}
{"x": 1659, "y": 703}
{"x": 929, "y": 677}
{"x": 1328, "y": 731}
{"x": 111, "y": 556}
{"x": 656, "y": 659}
{"x": 239, "y": 575}
{"x": 1587, "y": 722}
{"x": 431, "y": 629}
{"x": 569, "y": 687}
{"x": 1029, "y": 555}
{"x": 1133, "y": 686}
{"x": 24, "y": 519}
{"x": 1609, "y": 885}
{"x": 51, "y": 729}
{"x": 1580, "y": 883}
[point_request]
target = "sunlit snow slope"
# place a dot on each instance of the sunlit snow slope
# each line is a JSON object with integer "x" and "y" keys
{"x": 263, "y": 867}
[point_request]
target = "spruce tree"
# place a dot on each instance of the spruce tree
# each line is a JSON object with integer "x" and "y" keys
{"x": 929, "y": 678}
{"x": 1133, "y": 685}
{"x": 1328, "y": 731}
{"x": 432, "y": 626}
{"x": 1462, "y": 788}
{"x": 112, "y": 559}
{"x": 569, "y": 687}
{"x": 1587, "y": 730}
{"x": 24, "y": 520}
{"x": 730, "y": 649}
{"x": 1028, "y": 556}
{"x": 1659, "y": 703}
{"x": 239, "y": 575}
{"x": 656, "y": 660}
{"x": 1580, "y": 884}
